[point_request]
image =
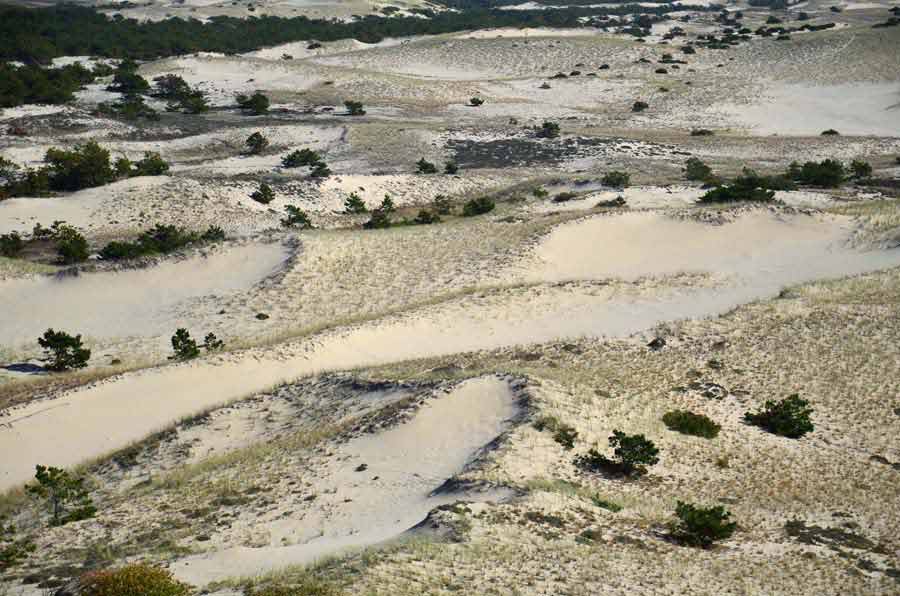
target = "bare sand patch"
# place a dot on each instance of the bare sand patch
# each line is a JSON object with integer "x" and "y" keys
{"x": 135, "y": 302}
{"x": 854, "y": 108}
{"x": 403, "y": 466}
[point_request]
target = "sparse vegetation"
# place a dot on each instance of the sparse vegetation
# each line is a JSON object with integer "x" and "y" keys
{"x": 13, "y": 550}
{"x": 65, "y": 496}
{"x": 789, "y": 417}
{"x": 160, "y": 239}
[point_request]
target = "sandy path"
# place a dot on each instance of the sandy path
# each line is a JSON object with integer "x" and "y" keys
{"x": 96, "y": 419}
{"x": 409, "y": 461}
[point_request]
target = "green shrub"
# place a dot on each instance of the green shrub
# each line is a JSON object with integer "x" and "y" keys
{"x": 828, "y": 173}
{"x": 296, "y": 218}
{"x": 184, "y": 346}
{"x": 702, "y": 526}
{"x": 354, "y": 204}
{"x": 478, "y": 206}
{"x": 136, "y": 579}
{"x": 212, "y": 343}
{"x": 442, "y": 205}
{"x": 11, "y": 244}
{"x": 387, "y": 204}
{"x": 255, "y": 104}
{"x": 702, "y": 132}
{"x": 860, "y": 169}
{"x": 695, "y": 169}
{"x": 320, "y": 170}
{"x": 731, "y": 193}
{"x": 616, "y": 179}
{"x": 689, "y": 423}
{"x": 379, "y": 219}
{"x": 633, "y": 453}
{"x": 71, "y": 245}
{"x": 425, "y": 167}
{"x": 451, "y": 168}
{"x": 264, "y": 194}
{"x": 151, "y": 165}
{"x": 256, "y": 143}
{"x": 548, "y": 130}
{"x": 354, "y": 108}
{"x": 426, "y": 217}
{"x": 300, "y": 158}
{"x": 65, "y": 496}
{"x": 476, "y": 101}
{"x": 85, "y": 166}
{"x": 830, "y": 133}
{"x": 605, "y": 504}
{"x": 789, "y": 417}
{"x": 639, "y": 106}
{"x": 565, "y": 435}
{"x": 128, "y": 107}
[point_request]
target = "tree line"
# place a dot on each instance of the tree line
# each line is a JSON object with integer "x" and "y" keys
{"x": 37, "y": 35}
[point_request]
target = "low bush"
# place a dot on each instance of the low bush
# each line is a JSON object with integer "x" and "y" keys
{"x": 695, "y": 169}
{"x": 11, "y": 244}
{"x": 152, "y": 164}
{"x": 478, "y": 206}
{"x": 476, "y": 101}
{"x": 160, "y": 239}
{"x": 830, "y": 133}
{"x": 633, "y": 453}
{"x": 264, "y": 194}
{"x": 442, "y": 205}
{"x": 71, "y": 245}
{"x": 616, "y": 179}
{"x": 425, "y": 167}
{"x": 256, "y": 104}
{"x": 426, "y": 217}
{"x": 320, "y": 170}
{"x": 296, "y": 218}
{"x": 354, "y": 108}
{"x": 702, "y": 132}
{"x": 136, "y": 579}
{"x": 306, "y": 587}
{"x": 301, "y": 158}
{"x": 860, "y": 170}
{"x": 451, "y": 168}
{"x": 702, "y": 526}
{"x": 379, "y": 220}
{"x": 639, "y": 106}
{"x": 689, "y": 423}
{"x": 256, "y": 143}
{"x": 789, "y": 417}
{"x": 750, "y": 186}
{"x": 563, "y": 433}
{"x": 548, "y": 130}
{"x": 829, "y": 173}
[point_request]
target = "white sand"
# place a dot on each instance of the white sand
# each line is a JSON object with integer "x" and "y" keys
{"x": 132, "y": 302}
{"x": 851, "y": 109}
{"x": 410, "y": 461}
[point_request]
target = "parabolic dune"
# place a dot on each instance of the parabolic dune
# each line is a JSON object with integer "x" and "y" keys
{"x": 750, "y": 258}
